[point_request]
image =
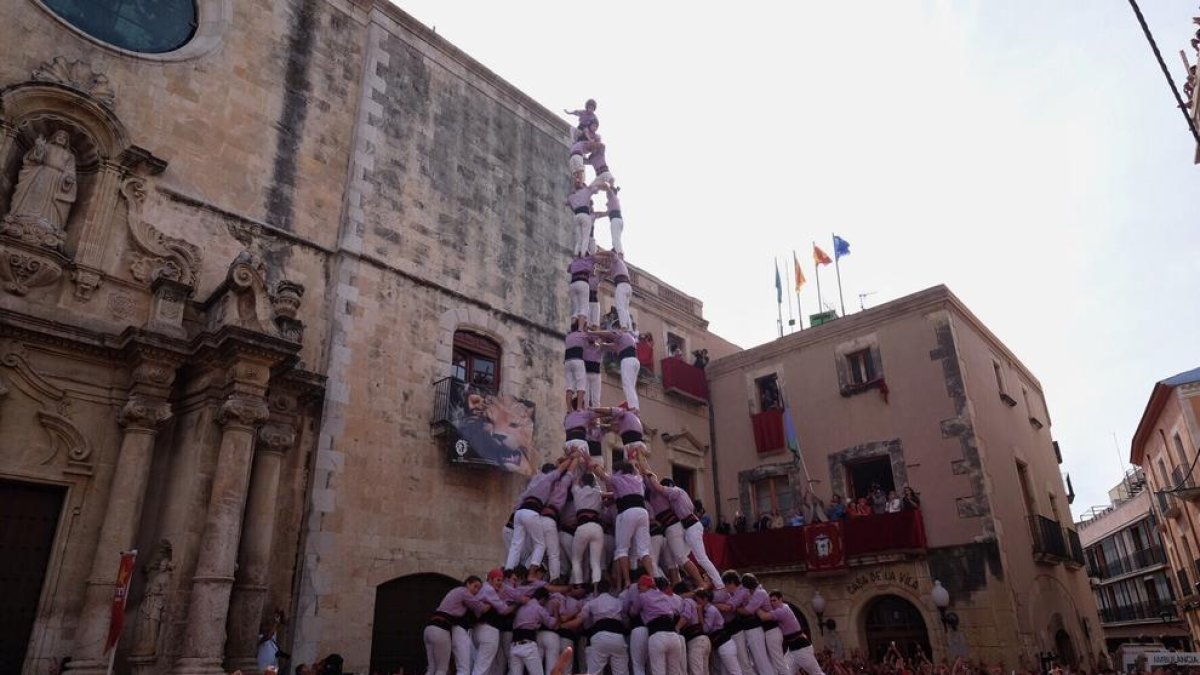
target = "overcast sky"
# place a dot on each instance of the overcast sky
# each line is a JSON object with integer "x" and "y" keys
{"x": 1026, "y": 154}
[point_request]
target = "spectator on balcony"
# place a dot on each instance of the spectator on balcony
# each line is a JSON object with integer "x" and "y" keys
{"x": 675, "y": 351}
{"x": 911, "y": 502}
{"x": 739, "y": 522}
{"x": 723, "y": 526}
{"x": 836, "y": 509}
{"x": 763, "y": 523}
{"x": 705, "y": 519}
{"x": 700, "y": 358}
{"x": 797, "y": 519}
{"x": 776, "y": 520}
{"x": 894, "y": 503}
{"x": 877, "y": 499}
{"x": 859, "y": 508}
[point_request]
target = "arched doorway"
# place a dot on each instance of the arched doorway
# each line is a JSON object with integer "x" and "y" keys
{"x": 891, "y": 618}
{"x": 402, "y": 606}
{"x": 1065, "y": 649}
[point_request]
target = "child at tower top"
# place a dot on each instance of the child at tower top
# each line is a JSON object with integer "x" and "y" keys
{"x": 587, "y": 117}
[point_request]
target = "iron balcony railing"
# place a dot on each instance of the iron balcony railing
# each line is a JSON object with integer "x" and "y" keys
{"x": 1048, "y": 540}
{"x": 1142, "y": 611}
{"x": 1138, "y": 560}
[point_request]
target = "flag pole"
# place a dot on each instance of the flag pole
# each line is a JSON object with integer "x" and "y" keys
{"x": 817, "y": 268}
{"x": 799, "y": 312}
{"x": 838, "y": 269}
{"x": 779, "y": 297}
{"x": 791, "y": 319}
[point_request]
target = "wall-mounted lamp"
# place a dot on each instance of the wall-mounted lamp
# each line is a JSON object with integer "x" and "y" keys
{"x": 818, "y": 605}
{"x": 941, "y": 600}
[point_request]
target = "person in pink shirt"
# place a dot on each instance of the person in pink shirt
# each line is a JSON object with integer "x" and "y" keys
{"x": 633, "y": 521}
{"x": 599, "y": 163}
{"x": 756, "y": 643}
{"x": 624, "y": 344}
{"x": 587, "y": 119}
{"x": 576, "y": 373}
{"x": 800, "y": 655}
{"x": 616, "y": 222}
{"x": 444, "y": 633}
{"x": 618, "y": 273}
{"x": 576, "y": 163}
{"x": 580, "y": 203}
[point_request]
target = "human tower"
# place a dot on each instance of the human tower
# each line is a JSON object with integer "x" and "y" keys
{"x": 568, "y": 580}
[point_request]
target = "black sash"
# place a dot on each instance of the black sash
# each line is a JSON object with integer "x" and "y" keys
{"x": 663, "y": 624}
{"x": 608, "y": 626}
{"x": 630, "y": 502}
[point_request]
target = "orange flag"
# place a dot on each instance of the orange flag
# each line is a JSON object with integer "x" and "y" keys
{"x": 821, "y": 257}
{"x": 799, "y": 273}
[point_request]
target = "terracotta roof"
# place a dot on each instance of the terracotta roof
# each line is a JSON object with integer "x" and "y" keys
{"x": 1158, "y": 399}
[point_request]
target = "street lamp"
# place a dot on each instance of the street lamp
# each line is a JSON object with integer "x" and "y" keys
{"x": 818, "y": 605}
{"x": 941, "y": 600}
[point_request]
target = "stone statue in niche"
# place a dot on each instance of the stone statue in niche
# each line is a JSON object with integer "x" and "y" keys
{"x": 45, "y": 192}
{"x": 154, "y": 603}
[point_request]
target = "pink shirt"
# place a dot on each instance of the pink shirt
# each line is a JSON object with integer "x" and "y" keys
{"x": 559, "y": 492}
{"x": 458, "y": 601}
{"x": 603, "y": 606}
{"x": 596, "y": 159}
{"x": 713, "y": 621}
{"x": 788, "y": 623}
{"x": 617, "y": 268}
{"x": 625, "y": 484}
{"x": 532, "y": 616}
{"x": 656, "y": 604}
{"x": 488, "y": 597}
{"x": 759, "y": 599}
{"x": 592, "y": 352}
{"x": 584, "y": 265}
{"x": 656, "y": 500}
{"x": 581, "y": 198}
{"x": 612, "y": 202}
{"x": 578, "y": 418}
{"x": 681, "y": 502}
{"x": 734, "y": 599}
{"x": 577, "y": 339}
{"x": 627, "y": 420}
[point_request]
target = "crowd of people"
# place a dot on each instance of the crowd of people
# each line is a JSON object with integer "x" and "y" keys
{"x": 876, "y": 502}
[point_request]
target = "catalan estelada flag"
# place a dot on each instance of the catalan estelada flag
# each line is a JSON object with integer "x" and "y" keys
{"x": 821, "y": 257}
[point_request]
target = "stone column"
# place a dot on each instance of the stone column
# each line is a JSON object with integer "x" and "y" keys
{"x": 145, "y": 410}
{"x": 243, "y": 410}
{"x": 254, "y": 559}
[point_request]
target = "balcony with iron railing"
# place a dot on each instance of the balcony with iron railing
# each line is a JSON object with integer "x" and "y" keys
{"x": 1139, "y": 612}
{"x": 1076, "y": 548}
{"x": 1049, "y": 542}
{"x": 1137, "y": 561}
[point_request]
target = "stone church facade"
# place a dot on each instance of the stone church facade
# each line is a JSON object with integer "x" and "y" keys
{"x": 231, "y": 272}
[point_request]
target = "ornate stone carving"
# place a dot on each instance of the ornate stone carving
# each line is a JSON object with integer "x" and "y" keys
{"x": 277, "y": 437}
{"x": 120, "y": 305}
{"x": 77, "y": 75}
{"x": 166, "y": 309}
{"x": 286, "y": 304}
{"x": 161, "y": 256}
{"x": 243, "y": 410}
{"x": 154, "y": 603}
{"x": 66, "y": 438}
{"x": 86, "y": 282}
{"x": 23, "y": 269}
{"x": 143, "y": 412}
{"x": 46, "y": 190}
{"x": 154, "y": 373}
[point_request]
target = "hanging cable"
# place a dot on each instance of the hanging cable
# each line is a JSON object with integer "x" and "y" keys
{"x": 1166, "y": 72}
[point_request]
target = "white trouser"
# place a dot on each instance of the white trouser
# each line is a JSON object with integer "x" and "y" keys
{"x": 618, "y": 226}
{"x": 607, "y": 648}
{"x": 694, "y": 538}
{"x": 576, "y": 375}
{"x": 638, "y": 653}
{"x": 593, "y": 311}
{"x": 525, "y": 658}
{"x": 665, "y": 656}
{"x": 463, "y": 650}
{"x": 593, "y": 388}
{"x": 487, "y": 643}
{"x": 774, "y": 640}
{"x": 437, "y": 650}
{"x": 583, "y": 233}
{"x": 552, "y": 546}
{"x": 756, "y": 644}
{"x": 728, "y": 655}
{"x": 677, "y": 546}
{"x": 575, "y": 164}
{"x": 743, "y": 653}
{"x": 589, "y": 538}
{"x": 656, "y": 549}
{"x": 605, "y": 177}
{"x": 681, "y": 667}
{"x": 633, "y": 528}
{"x": 630, "y": 367}
{"x": 579, "y": 298}
{"x": 507, "y": 535}
{"x": 526, "y": 524}
{"x": 566, "y": 543}
{"x": 622, "y": 294}
{"x": 551, "y": 645}
{"x": 803, "y": 659}
{"x": 500, "y": 663}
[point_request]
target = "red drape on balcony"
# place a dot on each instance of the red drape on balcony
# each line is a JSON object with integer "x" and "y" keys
{"x": 684, "y": 377}
{"x": 768, "y": 430}
{"x": 883, "y": 533}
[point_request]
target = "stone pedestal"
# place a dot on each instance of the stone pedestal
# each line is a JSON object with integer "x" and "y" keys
{"x": 244, "y": 409}
{"x": 254, "y": 560}
{"x": 141, "y": 416}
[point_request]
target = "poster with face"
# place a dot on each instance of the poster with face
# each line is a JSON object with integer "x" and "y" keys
{"x": 490, "y": 430}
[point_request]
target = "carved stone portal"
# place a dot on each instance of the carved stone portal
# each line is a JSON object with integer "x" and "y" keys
{"x": 23, "y": 268}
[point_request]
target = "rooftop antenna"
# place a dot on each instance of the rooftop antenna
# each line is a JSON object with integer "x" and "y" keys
{"x": 862, "y": 305}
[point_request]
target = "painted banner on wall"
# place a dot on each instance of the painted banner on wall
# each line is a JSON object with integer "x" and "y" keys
{"x": 824, "y": 547}
{"x": 489, "y": 430}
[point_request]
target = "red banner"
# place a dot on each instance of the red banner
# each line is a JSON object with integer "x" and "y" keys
{"x": 120, "y": 592}
{"x": 824, "y": 547}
